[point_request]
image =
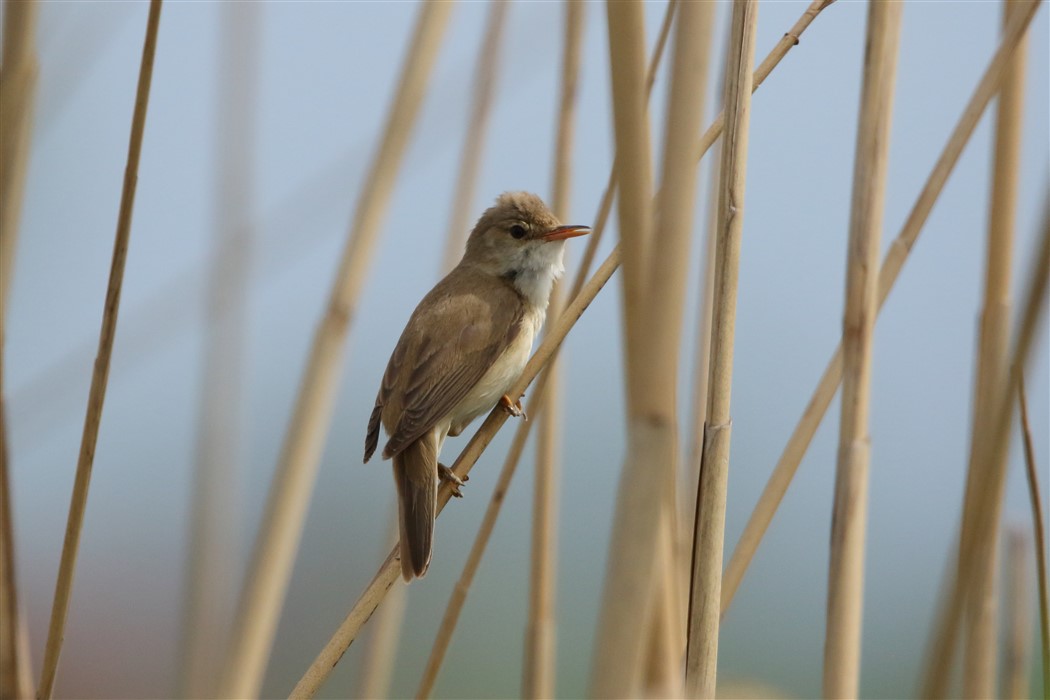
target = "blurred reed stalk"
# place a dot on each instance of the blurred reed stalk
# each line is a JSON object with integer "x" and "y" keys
{"x": 1017, "y": 647}
{"x": 539, "y": 667}
{"x": 892, "y": 264}
{"x": 980, "y": 649}
{"x": 282, "y": 525}
{"x": 709, "y": 530}
{"x": 630, "y": 576}
{"x": 18, "y": 76}
{"x": 212, "y": 572}
{"x": 325, "y": 662}
{"x": 486, "y": 68}
{"x": 850, "y": 513}
{"x": 1039, "y": 532}
{"x": 982, "y": 508}
{"x": 100, "y": 375}
{"x": 322, "y": 666}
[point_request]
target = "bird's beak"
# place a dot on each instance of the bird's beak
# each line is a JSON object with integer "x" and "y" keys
{"x": 563, "y": 232}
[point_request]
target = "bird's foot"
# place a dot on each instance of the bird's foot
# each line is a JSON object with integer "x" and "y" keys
{"x": 449, "y": 477}
{"x": 514, "y": 408}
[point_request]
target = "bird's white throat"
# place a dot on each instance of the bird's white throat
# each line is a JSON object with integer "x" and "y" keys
{"x": 534, "y": 269}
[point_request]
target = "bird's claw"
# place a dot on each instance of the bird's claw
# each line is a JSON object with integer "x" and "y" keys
{"x": 450, "y": 478}
{"x": 514, "y": 408}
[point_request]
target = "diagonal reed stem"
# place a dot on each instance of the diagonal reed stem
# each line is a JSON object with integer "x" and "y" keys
{"x": 849, "y": 519}
{"x": 892, "y": 264}
{"x": 282, "y": 526}
{"x": 97, "y": 393}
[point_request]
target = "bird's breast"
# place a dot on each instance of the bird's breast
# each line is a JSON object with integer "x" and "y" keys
{"x": 500, "y": 375}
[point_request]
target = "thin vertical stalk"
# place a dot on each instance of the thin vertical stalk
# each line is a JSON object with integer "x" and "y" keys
{"x": 97, "y": 393}
{"x": 1039, "y": 532}
{"x": 485, "y": 69}
{"x": 282, "y": 526}
{"x": 709, "y": 530}
{"x": 616, "y": 668}
{"x": 849, "y": 519}
{"x": 1017, "y": 647}
{"x": 983, "y": 507}
{"x": 211, "y": 575}
{"x": 540, "y": 663}
{"x": 980, "y": 651}
{"x": 325, "y": 662}
{"x": 18, "y": 73}
{"x": 892, "y": 263}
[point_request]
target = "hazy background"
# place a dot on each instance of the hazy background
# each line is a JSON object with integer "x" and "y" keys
{"x": 326, "y": 73}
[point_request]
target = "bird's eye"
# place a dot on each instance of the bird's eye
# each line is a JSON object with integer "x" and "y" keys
{"x": 517, "y": 230}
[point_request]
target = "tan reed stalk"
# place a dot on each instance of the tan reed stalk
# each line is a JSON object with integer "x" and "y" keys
{"x": 709, "y": 531}
{"x": 892, "y": 263}
{"x": 18, "y": 76}
{"x": 983, "y": 507}
{"x": 617, "y": 663}
{"x": 278, "y": 539}
{"x": 366, "y": 604}
{"x": 210, "y": 581}
{"x": 979, "y": 668}
{"x": 18, "y": 73}
{"x": 377, "y": 666}
{"x": 1016, "y": 652}
{"x": 97, "y": 393}
{"x": 485, "y": 69}
{"x": 539, "y": 667}
{"x": 849, "y": 519}
{"x": 1039, "y": 531}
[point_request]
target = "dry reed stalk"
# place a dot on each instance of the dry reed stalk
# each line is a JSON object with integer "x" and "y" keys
{"x": 373, "y": 594}
{"x": 983, "y": 507}
{"x": 892, "y": 264}
{"x": 377, "y": 666}
{"x": 211, "y": 577}
{"x": 97, "y": 393}
{"x": 616, "y": 667}
{"x": 1039, "y": 531}
{"x": 709, "y": 530}
{"x": 1016, "y": 651}
{"x": 278, "y": 539}
{"x": 539, "y": 667}
{"x": 849, "y": 518}
{"x": 979, "y": 669}
{"x": 18, "y": 73}
{"x": 485, "y": 69}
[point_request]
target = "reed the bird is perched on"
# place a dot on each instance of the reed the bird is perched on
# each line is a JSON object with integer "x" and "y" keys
{"x": 463, "y": 347}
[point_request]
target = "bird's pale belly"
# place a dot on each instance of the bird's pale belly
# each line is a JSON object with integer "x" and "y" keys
{"x": 495, "y": 382}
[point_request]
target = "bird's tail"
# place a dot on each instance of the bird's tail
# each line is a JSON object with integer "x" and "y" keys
{"x": 416, "y": 475}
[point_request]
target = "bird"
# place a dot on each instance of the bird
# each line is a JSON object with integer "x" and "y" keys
{"x": 463, "y": 347}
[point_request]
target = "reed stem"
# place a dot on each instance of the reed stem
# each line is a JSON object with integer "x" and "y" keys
{"x": 1018, "y": 637}
{"x": 709, "y": 530}
{"x": 100, "y": 375}
{"x": 1039, "y": 533}
{"x": 849, "y": 519}
{"x": 282, "y": 525}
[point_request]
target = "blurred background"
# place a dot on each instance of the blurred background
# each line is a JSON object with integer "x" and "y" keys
{"x": 324, "y": 74}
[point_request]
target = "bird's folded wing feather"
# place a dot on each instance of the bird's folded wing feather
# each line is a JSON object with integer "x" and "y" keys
{"x": 449, "y": 343}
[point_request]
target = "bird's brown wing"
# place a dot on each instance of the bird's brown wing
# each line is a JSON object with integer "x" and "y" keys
{"x": 449, "y": 343}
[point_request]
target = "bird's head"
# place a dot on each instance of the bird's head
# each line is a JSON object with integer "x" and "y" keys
{"x": 519, "y": 235}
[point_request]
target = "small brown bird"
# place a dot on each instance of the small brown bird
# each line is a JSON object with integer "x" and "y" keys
{"x": 463, "y": 347}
